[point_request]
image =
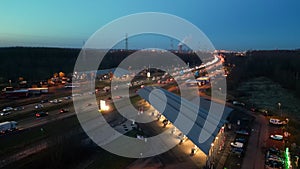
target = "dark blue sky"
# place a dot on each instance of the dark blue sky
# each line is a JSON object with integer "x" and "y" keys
{"x": 229, "y": 24}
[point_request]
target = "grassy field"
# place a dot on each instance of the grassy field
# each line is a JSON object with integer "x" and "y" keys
{"x": 107, "y": 160}
{"x": 21, "y": 139}
{"x": 262, "y": 93}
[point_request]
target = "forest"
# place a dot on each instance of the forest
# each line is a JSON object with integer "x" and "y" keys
{"x": 281, "y": 66}
{"x": 35, "y": 64}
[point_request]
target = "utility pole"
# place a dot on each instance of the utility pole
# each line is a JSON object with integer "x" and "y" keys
{"x": 126, "y": 41}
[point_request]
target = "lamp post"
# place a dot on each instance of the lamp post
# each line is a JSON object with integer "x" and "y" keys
{"x": 217, "y": 143}
{"x": 279, "y": 106}
{"x": 212, "y": 155}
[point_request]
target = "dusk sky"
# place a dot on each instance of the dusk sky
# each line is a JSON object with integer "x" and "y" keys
{"x": 229, "y": 24}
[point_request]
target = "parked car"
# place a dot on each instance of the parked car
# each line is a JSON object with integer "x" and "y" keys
{"x": 276, "y": 137}
{"x": 276, "y": 121}
{"x": 274, "y": 164}
{"x": 238, "y": 151}
{"x": 7, "y": 109}
{"x": 41, "y": 114}
{"x": 63, "y": 110}
{"x": 273, "y": 151}
{"x": 241, "y": 140}
{"x": 243, "y": 132}
{"x": 274, "y": 158}
{"x": 237, "y": 144}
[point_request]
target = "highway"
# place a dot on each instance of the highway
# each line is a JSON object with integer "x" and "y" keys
{"x": 54, "y": 115}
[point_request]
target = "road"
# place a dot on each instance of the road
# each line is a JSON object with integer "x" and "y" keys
{"x": 255, "y": 157}
{"x": 53, "y": 116}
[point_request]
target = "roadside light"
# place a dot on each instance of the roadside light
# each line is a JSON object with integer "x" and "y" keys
{"x": 212, "y": 144}
{"x": 103, "y": 106}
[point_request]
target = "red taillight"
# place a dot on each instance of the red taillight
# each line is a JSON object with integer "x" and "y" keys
{"x": 37, "y": 115}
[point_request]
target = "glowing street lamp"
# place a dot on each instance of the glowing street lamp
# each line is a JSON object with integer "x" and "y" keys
{"x": 103, "y": 106}
{"x": 279, "y": 106}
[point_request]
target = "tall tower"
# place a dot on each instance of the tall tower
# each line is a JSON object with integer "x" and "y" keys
{"x": 171, "y": 44}
{"x": 126, "y": 41}
{"x": 83, "y": 52}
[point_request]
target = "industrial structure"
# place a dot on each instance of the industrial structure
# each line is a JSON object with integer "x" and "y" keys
{"x": 172, "y": 111}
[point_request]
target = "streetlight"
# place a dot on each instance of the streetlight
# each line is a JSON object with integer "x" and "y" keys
{"x": 217, "y": 142}
{"x": 212, "y": 153}
{"x": 279, "y": 105}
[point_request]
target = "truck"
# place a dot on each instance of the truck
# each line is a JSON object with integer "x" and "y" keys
{"x": 8, "y": 126}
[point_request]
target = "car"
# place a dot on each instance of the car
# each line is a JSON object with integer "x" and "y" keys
{"x": 68, "y": 97}
{"x": 276, "y": 137}
{"x": 238, "y": 151}
{"x": 241, "y": 140}
{"x": 274, "y": 158}
{"x": 7, "y": 109}
{"x": 45, "y": 101}
{"x": 55, "y": 101}
{"x": 238, "y": 103}
{"x": 237, "y": 144}
{"x": 19, "y": 108}
{"x": 63, "y": 110}
{"x": 273, "y": 151}
{"x": 274, "y": 164}
{"x": 242, "y": 132}
{"x": 276, "y": 121}
{"x": 5, "y": 113}
{"x": 38, "y": 106}
{"x": 41, "y": 114}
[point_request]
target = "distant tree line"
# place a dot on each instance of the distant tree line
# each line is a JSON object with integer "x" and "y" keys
{"x": 34, "y": 63}
{"x": 282, "y": 66}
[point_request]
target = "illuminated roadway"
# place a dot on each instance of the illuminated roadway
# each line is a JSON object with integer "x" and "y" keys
{"x": 32, "y": 121}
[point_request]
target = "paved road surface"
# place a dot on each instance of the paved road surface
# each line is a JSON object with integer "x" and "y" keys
{"x": 254, "y": 157}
